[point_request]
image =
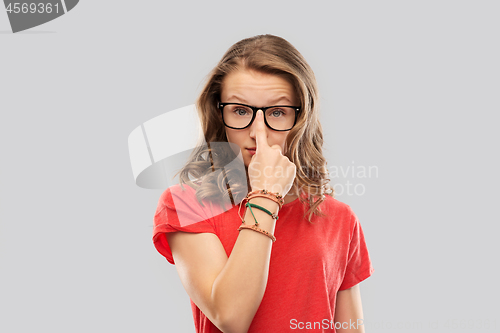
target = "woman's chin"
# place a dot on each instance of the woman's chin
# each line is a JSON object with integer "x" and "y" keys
{"x": 246, "y": 162}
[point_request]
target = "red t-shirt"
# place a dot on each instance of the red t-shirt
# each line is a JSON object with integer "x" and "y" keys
{"x": 309, "y": 263}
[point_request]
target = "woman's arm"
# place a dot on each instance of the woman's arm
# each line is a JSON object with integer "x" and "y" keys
{"x": 349, "y": 311}
{"x": 227, "y": 290}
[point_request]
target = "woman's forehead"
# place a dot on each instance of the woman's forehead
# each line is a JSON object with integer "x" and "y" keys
{"x": 243, "y": 86}
{"x": 274, "y": 99}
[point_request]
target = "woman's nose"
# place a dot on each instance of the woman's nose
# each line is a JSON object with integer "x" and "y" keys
{"x": 254, "y": 124}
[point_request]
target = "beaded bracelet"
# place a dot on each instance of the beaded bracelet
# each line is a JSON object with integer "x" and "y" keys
{"x": 266, "y": 194}
{"x": 255, "y": 228}
{"x": 278, "y": 196}
{"x": 274, "y": 216}
{"x": 255, "y": 219}
{"x": 280, "y": 205}
{"x": 262, "y": 193}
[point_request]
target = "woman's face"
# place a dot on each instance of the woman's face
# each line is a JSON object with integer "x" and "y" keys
{"x": 260, "y": 90}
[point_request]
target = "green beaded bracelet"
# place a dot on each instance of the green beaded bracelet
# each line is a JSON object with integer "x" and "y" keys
{"x": 248, "y": 204}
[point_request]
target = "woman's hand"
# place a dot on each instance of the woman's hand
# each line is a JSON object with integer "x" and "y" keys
{"x": 269, "y": 169}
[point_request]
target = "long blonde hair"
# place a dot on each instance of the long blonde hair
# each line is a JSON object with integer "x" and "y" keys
{"x": 271, "y": 55}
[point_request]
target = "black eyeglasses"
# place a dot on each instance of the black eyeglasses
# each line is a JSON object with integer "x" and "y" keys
{"x": 240, "y": 116}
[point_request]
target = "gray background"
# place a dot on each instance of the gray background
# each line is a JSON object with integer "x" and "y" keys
{"x": 409, "y": 87}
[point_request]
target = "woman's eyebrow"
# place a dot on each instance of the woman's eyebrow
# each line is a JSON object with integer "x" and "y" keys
{"x": 285, "y": 99}
{"x": 282, "y": 98}
{"x": 241, "y": 100}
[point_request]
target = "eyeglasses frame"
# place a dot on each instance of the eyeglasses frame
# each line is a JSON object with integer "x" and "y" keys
{"x": 221, "y": 106}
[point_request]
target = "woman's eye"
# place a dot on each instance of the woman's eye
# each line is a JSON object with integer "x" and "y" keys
{"x": 241, "y": 112}
{"x": 277, "y": 113}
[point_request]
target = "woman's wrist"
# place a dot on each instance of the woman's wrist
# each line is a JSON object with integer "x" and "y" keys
{"x": 263, "y": 219}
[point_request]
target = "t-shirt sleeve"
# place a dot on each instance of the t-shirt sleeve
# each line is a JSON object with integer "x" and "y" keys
{"x": 179, "y": 210}
{"x": 359, "y": 266}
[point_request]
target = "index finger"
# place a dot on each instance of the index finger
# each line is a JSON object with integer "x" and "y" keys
{"x": 260, "y": 130}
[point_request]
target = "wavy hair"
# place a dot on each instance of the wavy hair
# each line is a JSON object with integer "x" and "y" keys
{"x": 271, "y": 55}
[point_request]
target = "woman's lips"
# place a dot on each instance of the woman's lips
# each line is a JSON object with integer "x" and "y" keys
{"x": 251, "y": 151}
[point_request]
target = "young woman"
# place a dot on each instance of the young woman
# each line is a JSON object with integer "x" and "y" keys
{"x": 287, "y": 256}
